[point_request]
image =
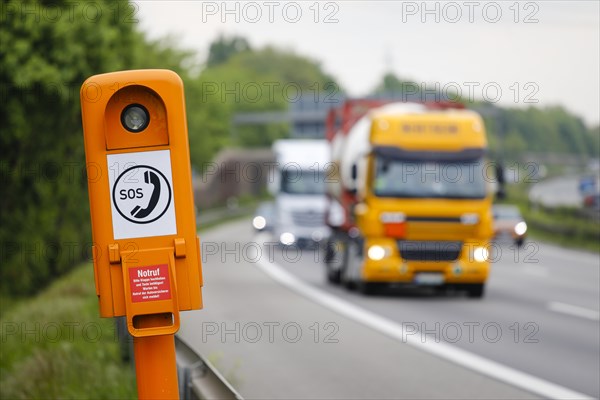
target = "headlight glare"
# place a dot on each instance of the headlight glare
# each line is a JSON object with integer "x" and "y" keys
{"x": 259, "y": 222}
{"x": 521, "y": 228}
{"x": 287, "y": 238}
{"x": 376, "y": 253}
{"x": 481, "y": 254}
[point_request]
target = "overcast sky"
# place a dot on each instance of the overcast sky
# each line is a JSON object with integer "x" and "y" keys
{"x": 507, "y": 52}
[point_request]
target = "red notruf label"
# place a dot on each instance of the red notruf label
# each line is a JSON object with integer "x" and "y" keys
{"x": 149, "y": 283}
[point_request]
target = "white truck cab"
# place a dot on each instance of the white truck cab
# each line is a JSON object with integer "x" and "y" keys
{"x": 298, "y": 185}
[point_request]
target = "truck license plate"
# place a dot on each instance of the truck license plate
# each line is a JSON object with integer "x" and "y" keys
{"x": 429, "y": 278}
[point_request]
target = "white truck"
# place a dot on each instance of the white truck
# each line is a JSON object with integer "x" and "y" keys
{"x": 298, "y": 185}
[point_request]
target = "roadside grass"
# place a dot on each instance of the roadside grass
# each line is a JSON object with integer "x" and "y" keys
{"x": 566, "y": 226}
{"x": 54, "y": 345}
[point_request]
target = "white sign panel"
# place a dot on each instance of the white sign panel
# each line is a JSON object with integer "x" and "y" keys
{"x": 141, "y": 189}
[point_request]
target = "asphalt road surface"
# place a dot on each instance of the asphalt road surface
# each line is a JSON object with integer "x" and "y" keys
{"x": 276, "y": 329}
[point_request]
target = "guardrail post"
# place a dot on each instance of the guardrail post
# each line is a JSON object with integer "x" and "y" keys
{"x": 198, "y": 379}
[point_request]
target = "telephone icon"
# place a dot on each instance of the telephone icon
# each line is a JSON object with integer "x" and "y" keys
{"x": 153, "y": 179}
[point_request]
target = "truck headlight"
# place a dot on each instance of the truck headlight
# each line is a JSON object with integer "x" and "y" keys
{"x": 376, "y": 253}
{"x": 287, "y": 238}
{"x": 481, "y": 254}
{"x": 521, "y": 228}
{"x": 259, "y": 222}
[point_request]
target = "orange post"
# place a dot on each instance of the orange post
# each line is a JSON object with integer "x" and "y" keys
{"x": 155, "y": 365}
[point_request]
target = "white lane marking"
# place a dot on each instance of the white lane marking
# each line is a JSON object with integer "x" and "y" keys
{"x": 396, "y": 331}
{"x": 572, "y": 310}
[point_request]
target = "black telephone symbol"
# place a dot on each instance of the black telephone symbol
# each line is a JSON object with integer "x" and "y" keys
{"x": 152, "y": 178}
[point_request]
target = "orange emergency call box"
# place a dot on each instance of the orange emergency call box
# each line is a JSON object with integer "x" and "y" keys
{"x": 146, "y": 249}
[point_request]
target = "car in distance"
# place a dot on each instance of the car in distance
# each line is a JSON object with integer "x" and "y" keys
{"x": 264, "y": 216}
{"x": 508, "y": 222}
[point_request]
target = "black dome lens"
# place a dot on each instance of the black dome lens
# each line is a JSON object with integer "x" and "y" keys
{"x": 135, "y": 118}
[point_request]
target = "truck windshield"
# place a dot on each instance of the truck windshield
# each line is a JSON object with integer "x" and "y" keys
{"x": 429, "y": 179}
{"x": 303, "y": 182}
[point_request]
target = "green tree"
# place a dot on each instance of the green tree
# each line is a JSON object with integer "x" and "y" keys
{"x": 594, "y": 141}
{"x": 550, "y": 129}
{"x": 514, "y": 143}
{"x": 223, "y": 48}
{"x": 44, "y": 61}
{"x": 265, "y": 79}
{"x": 511, "y": 131}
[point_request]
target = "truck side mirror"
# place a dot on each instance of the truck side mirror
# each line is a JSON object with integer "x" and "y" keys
{"x": 354, "y": 172}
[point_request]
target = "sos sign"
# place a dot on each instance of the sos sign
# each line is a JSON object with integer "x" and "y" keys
{"x": 141, "y": 194}
{"x": 143, "y": 215}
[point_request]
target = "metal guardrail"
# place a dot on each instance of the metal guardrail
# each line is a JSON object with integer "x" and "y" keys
{"x": 198, "y": 378}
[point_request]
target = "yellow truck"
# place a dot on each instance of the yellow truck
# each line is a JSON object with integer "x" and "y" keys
{"x": 410, "y": 196}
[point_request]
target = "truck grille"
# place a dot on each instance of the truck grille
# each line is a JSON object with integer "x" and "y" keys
{"x": 308, "y": 218}
{"x": 413, "y": 250}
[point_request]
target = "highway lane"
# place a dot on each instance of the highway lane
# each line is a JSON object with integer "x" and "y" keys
{"x": 272, "y": 342}
{"x": 539, "y": 315}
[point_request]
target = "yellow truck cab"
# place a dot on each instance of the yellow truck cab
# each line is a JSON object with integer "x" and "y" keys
{"x": 420, "y": 212}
